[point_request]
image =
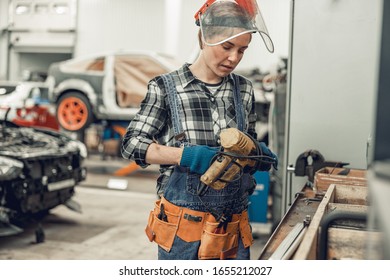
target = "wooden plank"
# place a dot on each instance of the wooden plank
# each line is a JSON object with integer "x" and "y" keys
{"x": 332, "y": 175}
{"x": 350, "y": 243}
{"x": 341, "y": 197}
{"x": 347, "y": 207}
{"x": 307, "y": 250}
{"x": 351, "y": 195}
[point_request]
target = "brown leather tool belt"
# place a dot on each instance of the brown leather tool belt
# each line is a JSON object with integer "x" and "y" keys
{"x": 167, "y": 220}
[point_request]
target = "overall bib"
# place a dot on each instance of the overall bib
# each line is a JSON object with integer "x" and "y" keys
{"x": 193, "y": 221}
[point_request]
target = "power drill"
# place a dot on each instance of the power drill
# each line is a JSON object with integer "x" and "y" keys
{"x": 237, "y": 149}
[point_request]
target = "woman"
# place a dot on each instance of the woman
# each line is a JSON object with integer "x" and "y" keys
{"x": 189, "y": 222}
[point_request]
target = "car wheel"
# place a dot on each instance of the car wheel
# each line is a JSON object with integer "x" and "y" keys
{"x": 74, "y": 112}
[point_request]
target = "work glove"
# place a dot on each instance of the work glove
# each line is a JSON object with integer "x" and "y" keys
{"x": 269, "y": 158}
{"x": 198, "y": 158}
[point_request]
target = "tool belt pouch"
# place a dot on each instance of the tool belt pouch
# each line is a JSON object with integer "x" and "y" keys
{"x": 159, "y": 231}
{"x": 215, "y": 245}
{"x": 246, "y": 230}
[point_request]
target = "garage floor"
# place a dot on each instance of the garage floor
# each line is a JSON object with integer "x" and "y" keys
{"x": 111, "y": 225}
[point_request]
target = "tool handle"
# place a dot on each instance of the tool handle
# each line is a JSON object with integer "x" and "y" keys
{"x": 214, "y": 171}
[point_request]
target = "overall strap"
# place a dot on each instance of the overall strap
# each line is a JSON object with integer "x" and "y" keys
{"x": 174, "y": 106}
{"x": 238, "y": 103}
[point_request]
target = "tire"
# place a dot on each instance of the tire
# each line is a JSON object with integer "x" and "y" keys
{"x": 74, "y": 112}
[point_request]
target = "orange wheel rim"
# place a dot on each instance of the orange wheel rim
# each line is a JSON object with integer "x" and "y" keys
{"x": 72, "y": 113}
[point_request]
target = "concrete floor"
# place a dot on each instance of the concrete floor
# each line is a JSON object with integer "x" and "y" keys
{"x": 111, "y": 225}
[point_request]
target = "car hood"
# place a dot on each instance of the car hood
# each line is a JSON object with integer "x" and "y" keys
{"x": 26, "y": 142}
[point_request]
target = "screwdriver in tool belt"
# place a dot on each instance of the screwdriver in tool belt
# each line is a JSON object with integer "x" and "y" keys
{"x": 162, "y": 216}
{"x": 221, "y": 228}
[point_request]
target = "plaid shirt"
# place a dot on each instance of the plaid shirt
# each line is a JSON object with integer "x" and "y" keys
{"x": 203, "y": 115}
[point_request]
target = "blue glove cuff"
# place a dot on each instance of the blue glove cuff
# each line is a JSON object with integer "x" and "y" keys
{"x": 267, "y": 163}
{"x": 197, "y": 158}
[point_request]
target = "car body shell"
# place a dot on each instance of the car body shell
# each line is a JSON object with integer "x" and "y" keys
{"x": 96, "y": 77}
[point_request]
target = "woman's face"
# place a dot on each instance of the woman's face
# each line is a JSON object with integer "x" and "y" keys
{"x": 222, "y": 59}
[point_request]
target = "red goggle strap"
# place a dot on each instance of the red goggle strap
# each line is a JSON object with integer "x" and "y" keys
{"x": 249, "y": 5}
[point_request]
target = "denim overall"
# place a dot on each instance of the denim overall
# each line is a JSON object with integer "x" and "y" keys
{"x": 184, "y": 188}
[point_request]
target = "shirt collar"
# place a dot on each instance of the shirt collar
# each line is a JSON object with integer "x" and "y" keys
{"x": 186, "y": 76}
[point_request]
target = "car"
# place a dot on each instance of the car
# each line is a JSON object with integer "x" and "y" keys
{"x": 103, "y": 87}
{"x": 39, "y": 170}
{"x": 7, "y": 88}
{"x": 17, "y": 95}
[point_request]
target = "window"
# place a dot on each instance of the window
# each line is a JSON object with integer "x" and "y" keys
{"x": 22, "y": 9}
{"x": 61, "y": 8}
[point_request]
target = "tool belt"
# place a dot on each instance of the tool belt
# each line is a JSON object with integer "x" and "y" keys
{"x": 167, "y": 220}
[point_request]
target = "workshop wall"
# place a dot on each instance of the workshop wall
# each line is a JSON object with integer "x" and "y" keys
{"x": 123, "y": 24}
{"x": 333, "y": 80}
{"x": 3, "y": 38}
{"x": 168, "y": 26}
{"x": 102, "y": 25}
{"x": 34, "y": 34}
